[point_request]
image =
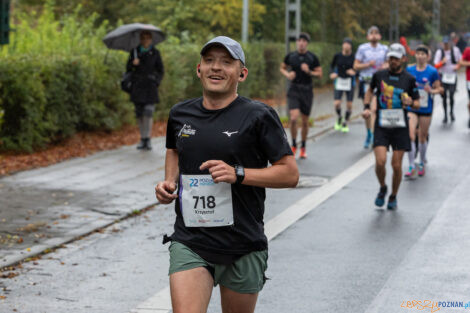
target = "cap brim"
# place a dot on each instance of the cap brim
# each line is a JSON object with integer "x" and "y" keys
{"x": 212, "y": 44}
{"x": 397, "y": 55}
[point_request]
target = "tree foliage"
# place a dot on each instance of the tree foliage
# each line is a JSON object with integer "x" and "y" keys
{"x": 325, "y": 20}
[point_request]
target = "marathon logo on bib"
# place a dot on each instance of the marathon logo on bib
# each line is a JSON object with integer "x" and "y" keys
{"x": 449, "y": 78}
{"x": 343, "y": 84}
{"x": 423, "y": 98}
{"x": 204, "y": 203}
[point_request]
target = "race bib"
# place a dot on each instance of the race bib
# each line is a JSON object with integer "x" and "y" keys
{"x": 204, "y": 203}
{"x": 392, "y": 118}
{"x": 449, "y": 78}
{"x": 343, "y": 84}
{"x": 423, "y": 98}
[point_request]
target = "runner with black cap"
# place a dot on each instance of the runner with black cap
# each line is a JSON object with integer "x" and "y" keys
{"x": 343, "y": 74}
{"x": 218, "y": 150}
{"x": 395, "y": 90}
{"x": 370, "y": 57}
{"x": 299, "y": 67}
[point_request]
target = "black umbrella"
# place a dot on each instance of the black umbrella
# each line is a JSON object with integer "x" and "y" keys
{"x": 127, "y": 37}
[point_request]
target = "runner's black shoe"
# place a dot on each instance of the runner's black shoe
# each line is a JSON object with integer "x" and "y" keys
{"x": 392, "y": 202}
{"x": 380, "y": 200}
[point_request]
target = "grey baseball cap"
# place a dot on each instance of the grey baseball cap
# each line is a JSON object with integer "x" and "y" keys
{"x": 396, "y": 50}
{"x": 232, "y": 46}
{"x": 373, "y": 28}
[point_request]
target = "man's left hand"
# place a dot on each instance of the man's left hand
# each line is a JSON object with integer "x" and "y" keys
{"x": 406, "y": 99}
{"x": 304, "y": 67}
{"x": 220, "y": 171}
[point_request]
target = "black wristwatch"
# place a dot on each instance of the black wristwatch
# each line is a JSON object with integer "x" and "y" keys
{"x": 240, "y": 172}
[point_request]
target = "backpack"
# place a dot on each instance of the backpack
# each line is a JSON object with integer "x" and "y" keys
{"x": 452, "y": 55}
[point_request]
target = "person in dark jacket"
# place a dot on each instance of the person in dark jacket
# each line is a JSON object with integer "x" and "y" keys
{"x": 147, "y": 70}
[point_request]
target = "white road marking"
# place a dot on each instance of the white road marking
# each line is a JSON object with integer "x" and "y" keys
{"x": 161, "y": 301}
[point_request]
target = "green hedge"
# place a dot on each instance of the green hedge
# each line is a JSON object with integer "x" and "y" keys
{"x": 45, "y": 99}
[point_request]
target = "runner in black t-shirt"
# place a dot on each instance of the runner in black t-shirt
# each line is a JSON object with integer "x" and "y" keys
{"x": 218, "y": 149}
{"x": 299, "y": 67}
{"x": 342, "y": 73}
{"x": 395, "y": 90}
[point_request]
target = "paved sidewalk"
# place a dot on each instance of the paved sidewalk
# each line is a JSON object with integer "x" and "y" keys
{"x": 44, "y": 208}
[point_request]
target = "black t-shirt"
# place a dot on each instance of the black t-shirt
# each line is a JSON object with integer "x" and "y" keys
{"x": 341, "y": 63}
{"x": 389, "y": 88}
{"x": 246, "y": 132}
{"x": 294, "y": 61}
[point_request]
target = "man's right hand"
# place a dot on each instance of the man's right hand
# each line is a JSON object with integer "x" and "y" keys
{"x": 291, "y": 75}
{"x": 366, "y": 113}
{"x": 164, "y": 192}
{"x": 333, "y": 75}
{"x": 372, "y": 63}
{"x": 136, "y": 62}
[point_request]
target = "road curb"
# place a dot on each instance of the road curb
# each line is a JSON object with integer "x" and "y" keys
{"x": 52, "y": 244}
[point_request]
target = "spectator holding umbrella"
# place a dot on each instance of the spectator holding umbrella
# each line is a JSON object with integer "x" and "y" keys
{"x": 144, "y": 71}
{"x": 147, "y": 70}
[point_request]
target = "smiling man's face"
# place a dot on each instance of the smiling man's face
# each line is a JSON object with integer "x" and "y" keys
{"x": 219, "y": 72}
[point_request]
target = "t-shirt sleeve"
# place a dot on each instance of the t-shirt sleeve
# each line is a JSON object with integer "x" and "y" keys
{"x": 333, "y": 63}
{"x": 466, "y": 54}
{"x": 272, "y": 137}
{"x": 316, "y": 62}
{"x": 413, "y": 89}
{"x": 286, "y": 59}
{"x": 359, "y": 55}
{"x": 437, "y": 57}
{"x": 170, "y": 133}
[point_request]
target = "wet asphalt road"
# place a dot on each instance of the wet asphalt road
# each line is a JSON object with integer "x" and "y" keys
{"x": 336, "y": 259}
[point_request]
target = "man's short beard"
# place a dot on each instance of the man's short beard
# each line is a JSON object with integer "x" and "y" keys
{"x": 395, "y": 69}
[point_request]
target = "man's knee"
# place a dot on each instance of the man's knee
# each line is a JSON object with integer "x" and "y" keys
{"x": 396, "y": 165}
{"x": 380, "y": 162}
{"x": 304, "y": 121}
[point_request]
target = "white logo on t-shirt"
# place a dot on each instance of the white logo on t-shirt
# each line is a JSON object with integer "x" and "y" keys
{"x": 229, "y": 133}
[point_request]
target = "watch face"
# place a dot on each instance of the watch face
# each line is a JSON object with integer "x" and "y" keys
{"x": 240, "y": 171}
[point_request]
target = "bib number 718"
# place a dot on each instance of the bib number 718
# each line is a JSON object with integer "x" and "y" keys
{"x": 209, "y": 201}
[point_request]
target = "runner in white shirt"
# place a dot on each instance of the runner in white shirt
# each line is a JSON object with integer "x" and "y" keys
{"x": 447, "y": 60}
{"x": 370, "y": 57}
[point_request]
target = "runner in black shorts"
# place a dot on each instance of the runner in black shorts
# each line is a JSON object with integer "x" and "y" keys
{"x": 218, "y": 149}
{"x": 395, "y": 90}
{"x": 343, "y": 74}
{"x": 299, "y": 67}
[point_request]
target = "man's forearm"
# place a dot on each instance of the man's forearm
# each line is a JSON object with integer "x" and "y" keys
{"x": 171, "y": 165}
{"x": 358, "y": 66}
{"x": 282, "y": 174}
{"x": 318, "y": 72}
{"x": 368, "y": 97}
